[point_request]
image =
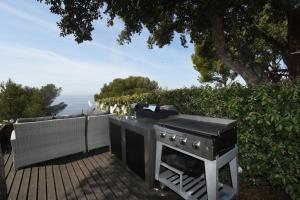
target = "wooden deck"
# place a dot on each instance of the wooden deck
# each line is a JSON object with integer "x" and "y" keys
{"x": 97, "y": 175}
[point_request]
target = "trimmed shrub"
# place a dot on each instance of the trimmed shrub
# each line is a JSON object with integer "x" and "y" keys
{"x": 268, "y": 119}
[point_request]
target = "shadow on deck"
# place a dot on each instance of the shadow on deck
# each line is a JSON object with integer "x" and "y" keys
{"x": 95, "y": 175}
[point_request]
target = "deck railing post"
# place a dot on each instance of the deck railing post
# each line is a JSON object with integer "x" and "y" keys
{"x": 3, "y": 189}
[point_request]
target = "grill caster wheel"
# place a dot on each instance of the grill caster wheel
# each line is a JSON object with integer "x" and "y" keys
{"x": 162, "y": 186}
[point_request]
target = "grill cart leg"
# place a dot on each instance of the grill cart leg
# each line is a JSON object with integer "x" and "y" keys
{"x": 158, "y": 159}
{"x": 234, "y": 173}
{"x": 211, "y": 175}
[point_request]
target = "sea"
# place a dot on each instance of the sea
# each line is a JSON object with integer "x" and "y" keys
{"x": 76, "y": 104}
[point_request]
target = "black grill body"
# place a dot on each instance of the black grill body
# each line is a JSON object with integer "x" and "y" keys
{"x": 160, "y": 112}
{"x": 202, "y": 136}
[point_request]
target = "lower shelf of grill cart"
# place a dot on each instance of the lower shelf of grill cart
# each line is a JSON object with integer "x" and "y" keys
{"x": 193, "y": 188}
{"x": 226, "y": 192}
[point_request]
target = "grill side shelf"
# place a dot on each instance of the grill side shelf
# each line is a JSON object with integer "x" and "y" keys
{"x": 188, "y": 187}
{"x": 193, "y": 188}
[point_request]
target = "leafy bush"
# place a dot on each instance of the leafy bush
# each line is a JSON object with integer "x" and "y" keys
{"x": 268, "y": 125}
{"x": 127, "y": 86}
{"x": 22, "y": 101}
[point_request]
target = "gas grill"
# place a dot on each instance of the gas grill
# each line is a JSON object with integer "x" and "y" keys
{"x": 202, "y": 136}
{"x": 186, "y": 141}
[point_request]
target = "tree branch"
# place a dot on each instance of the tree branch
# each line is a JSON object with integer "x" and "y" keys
{"x": 224, "y": 56}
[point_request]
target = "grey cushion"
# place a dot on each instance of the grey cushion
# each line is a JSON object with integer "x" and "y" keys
{"x": 98, "y": 113}
{"x": 68, "y": 116}
{"x": 34, "y": 119}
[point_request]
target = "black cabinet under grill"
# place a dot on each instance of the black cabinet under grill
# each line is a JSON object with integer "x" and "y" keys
{"x": 135, "y": 152}
{"x": 135, "y": 145}
{"x": 115, "y": 140}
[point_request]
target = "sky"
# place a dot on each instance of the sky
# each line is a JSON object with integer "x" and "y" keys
{"x": 32, "y": 53}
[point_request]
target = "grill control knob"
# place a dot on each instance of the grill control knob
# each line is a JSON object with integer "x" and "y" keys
{"x": 173, "y": 138}
{"x": 162, "y": 135}
{"x": 183, "y": 141}
{"x": 196, "y": 145}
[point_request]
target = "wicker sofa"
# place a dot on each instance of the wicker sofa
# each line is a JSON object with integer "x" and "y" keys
{"x": 39, "y": 139}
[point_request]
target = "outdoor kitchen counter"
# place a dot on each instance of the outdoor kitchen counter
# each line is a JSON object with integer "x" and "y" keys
{"x": 141, "y": 123}
{"x": 138, "y": 144}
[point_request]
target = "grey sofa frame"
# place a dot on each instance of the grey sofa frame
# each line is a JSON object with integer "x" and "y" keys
{"x": 97, "y": 131}
{"x": 34, "y": 142}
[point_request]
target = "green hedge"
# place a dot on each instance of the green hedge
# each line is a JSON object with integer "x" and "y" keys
{"x": 268, "y": 125}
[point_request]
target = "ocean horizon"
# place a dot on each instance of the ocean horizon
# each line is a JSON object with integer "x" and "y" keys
{"x": 76, "y": 104}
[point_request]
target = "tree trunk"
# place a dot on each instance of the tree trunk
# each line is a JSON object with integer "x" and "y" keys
{"x": 248, "y": 74}
{"x": 294, "y": 44}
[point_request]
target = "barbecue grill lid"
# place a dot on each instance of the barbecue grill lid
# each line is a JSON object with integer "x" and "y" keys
{"x": 193, "y": 126}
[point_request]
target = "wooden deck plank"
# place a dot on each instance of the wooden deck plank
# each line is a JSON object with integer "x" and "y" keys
{"x": 143, "y": 190}
{"x": 42, "y": 189}
{"x": 131, "y": 180}
{"x": 70, "y": 193}
{"x": 32, "y": 190}
{"x": 95, "y": 188}
{"x": 113, "y": 183}
{"x": 24, "y": 184}
{"x": 134, "y": 179}
{"x": 106, "y": 157}
{"x": 8, "y": 166}
{"x": 127, "y": 172}
{"x": 135, "y": 184}
{"x": 99, "y": 179}
{"x": 6, "y": 157}
{"x": 59, "y": 187}
{"x": 13, "y": 194}
{"x": 83, "y": 182}
{"x": 115, "y": 175}
{"x": 51, "y": 194}
{"x": 75, "y": 182}
{"x": 94, "y": 176}
{"x": 9, "y": 179}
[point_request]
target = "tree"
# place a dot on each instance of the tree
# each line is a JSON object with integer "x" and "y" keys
{"x": 128, "y": 86}
{"x": 211, "y": 69}
{"x": 249, "y": 37}
{"x": 18, "y": 101}
{"x": 48, "y": 94}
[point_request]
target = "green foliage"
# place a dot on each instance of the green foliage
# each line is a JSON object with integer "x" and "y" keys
{"x": 209, "y": 68}
{"x": 128, "y": 86}
{"x": 249, "y": 37}
{"x": 18, "y": 101}
{"x": 268, "y": 125}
